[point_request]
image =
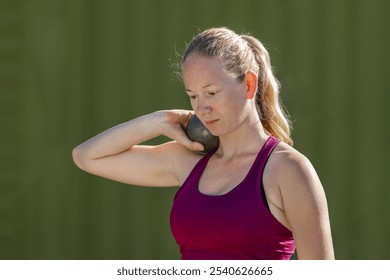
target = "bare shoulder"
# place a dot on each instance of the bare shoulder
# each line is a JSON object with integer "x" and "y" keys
{"x": 183, "y": 160}
{"x": 288, "y": 166}
{"x": 290, "y": 179}
{"x": 298, "y": 185}
{"x": 287, "y": 155}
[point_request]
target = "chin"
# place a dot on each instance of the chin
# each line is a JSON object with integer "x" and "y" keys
{"x": 216, "y": 133}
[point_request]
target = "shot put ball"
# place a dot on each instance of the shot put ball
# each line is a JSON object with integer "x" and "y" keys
{"x": 197, "y": 132}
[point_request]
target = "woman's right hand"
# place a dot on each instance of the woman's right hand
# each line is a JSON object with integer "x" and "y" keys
{"x": 173, "y": 126}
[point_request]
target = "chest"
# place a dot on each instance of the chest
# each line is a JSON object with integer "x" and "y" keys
{"x": 219, "y": 177}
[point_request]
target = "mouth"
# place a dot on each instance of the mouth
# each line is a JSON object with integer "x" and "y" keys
{"x": 211, "y": 122}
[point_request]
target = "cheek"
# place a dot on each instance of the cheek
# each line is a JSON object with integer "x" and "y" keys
{"x": 236, "y": 99}
{"x": 193, "y": 104}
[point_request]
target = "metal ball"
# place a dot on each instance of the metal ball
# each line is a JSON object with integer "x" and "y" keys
{"x": 197, "y": 132}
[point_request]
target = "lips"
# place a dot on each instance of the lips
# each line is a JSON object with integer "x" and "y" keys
{"x": 211, "y": 122}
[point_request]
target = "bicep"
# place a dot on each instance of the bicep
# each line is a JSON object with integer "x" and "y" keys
{"x": 140, "y": 165}
{"x": 307, "y": 212}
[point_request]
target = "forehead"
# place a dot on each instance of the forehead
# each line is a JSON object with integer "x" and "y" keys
{"x": 198, "y": 68}
{"x": 199, "y": 60}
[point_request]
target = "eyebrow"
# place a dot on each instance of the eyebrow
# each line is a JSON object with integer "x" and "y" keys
{"x": 206, "y": 86}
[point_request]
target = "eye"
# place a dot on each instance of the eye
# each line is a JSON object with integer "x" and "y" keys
{"x": 192, "y": 97}
{"x": 213, "y": 93}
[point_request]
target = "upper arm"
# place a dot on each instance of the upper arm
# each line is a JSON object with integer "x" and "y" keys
{"x": 306, "y": 209}
{"x": 141, "y": 165}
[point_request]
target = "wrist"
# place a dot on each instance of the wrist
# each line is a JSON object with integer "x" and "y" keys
{"x": 158, "y": 119}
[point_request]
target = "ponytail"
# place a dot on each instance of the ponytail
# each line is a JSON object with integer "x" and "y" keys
{"x": 272, "y": 114}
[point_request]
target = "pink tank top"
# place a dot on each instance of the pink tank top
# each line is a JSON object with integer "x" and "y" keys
{"x": 236, "y": 225}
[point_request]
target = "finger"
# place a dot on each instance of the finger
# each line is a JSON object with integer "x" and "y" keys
{"x": 183, "y": 139}
{"x": 195, "y": 146}
{"x": 186, "y": 116}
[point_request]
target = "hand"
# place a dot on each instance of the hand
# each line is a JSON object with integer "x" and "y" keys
{"x": 174, "y": 125}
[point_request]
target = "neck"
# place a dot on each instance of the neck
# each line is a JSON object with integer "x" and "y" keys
{"x": 247, "y": 139}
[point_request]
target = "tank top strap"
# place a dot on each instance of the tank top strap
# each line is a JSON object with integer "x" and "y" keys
{"x": 201, "y": 164}
{"x": 266, "y": 151}
{"x": 259, "y": 165}
{"x": 196, "y": 172}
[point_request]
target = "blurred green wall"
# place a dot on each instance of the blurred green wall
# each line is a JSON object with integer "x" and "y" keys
{"x": 72, "y": 68}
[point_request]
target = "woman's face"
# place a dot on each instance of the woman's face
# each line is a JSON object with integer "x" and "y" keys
{"x": 217, "y": 97}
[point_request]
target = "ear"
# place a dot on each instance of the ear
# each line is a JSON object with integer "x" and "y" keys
{"x": 251, "y": 85}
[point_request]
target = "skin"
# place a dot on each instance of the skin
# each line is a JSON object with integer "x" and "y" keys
{"x": 227, "y": 108}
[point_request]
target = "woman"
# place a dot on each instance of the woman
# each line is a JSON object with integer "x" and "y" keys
{"x": 254, "y": 197}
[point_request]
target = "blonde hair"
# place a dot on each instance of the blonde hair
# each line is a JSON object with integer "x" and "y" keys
{"x": 241, "y": 54}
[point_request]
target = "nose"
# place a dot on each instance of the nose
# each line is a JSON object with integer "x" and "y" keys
{"x": 202, "y": 106}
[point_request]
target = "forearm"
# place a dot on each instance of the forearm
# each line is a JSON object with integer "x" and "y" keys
{"x": 120, "y": 138}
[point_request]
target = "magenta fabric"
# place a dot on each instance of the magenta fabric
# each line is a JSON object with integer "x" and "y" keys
{"x": 236, "y": 225}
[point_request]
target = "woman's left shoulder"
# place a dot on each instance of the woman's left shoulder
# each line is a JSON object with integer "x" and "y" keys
{"x": 288, "y": 157}
{"x": 291, "y": 167}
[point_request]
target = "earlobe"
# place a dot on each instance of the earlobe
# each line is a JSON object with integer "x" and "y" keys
{"x": 251, "y": 85}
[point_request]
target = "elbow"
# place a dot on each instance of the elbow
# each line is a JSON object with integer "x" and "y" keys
{"x": 77, "y": 158}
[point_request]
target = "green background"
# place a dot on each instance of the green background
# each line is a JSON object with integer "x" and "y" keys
{"x": 70, "y": 69}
